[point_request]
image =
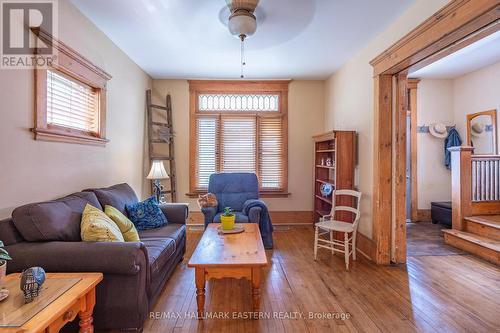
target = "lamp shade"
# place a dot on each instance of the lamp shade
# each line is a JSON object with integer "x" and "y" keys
{"x": 157, "y": 171}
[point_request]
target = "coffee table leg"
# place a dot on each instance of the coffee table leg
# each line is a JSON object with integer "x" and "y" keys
{"x": 256, "y": 289}
{"x": 200, "y": 290}
{"x": 86, "y": 319}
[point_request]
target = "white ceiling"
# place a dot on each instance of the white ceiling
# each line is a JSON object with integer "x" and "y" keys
{"x": 295, "y": 38}
{"x": 471, "y": 58}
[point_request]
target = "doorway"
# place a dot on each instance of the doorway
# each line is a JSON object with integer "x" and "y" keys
{"x": 455, "y": 26}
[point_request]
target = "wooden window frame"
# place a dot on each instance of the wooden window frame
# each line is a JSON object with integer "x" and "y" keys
{"x": 198, "y": 87}
{"x": 78, "y": 68}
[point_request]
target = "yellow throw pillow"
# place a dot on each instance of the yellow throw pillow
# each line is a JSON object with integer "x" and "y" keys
{"x": 126, "y": 226}
{"x": 96, "y": 226}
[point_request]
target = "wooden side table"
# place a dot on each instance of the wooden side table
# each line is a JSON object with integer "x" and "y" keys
{"x": 63, "y": 297}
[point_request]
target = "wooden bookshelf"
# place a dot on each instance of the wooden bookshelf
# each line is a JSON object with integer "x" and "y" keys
{"x": 339, "y": 146}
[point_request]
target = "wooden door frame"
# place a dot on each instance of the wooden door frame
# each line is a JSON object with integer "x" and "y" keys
{"x": 412, "y": 86}
{"x": 451, "y": 28}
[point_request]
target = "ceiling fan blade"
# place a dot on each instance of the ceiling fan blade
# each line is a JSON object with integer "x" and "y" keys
{"x": 248, "y": 5}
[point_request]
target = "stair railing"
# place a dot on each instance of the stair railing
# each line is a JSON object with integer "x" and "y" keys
{"x": 475, "y": 184}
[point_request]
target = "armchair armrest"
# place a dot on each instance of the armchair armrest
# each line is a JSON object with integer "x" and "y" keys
{"x": 209, "y": 214}
{"x": 254, "y": 214}
{"x": 175, "y": 212}
{"x": 107, "y": 257}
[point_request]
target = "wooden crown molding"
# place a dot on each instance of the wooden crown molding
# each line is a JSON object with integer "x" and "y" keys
{"x": 238, "y": 85}
{"x": 63, "y": 48}
{"x": 412, "y": 47}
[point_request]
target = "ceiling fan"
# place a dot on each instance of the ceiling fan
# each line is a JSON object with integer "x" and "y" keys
{"x": 242, "y": 22}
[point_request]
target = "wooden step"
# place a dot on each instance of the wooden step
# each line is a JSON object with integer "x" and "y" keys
{"x": 484, "y": 225}
{"x": 483, "y": 247}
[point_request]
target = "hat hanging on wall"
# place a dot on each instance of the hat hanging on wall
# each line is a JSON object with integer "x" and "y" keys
{"x": 438, "y": 130}
{"x": 477, "y": 130}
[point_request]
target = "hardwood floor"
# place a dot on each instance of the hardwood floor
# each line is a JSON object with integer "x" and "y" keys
{"x": 448, "y": 293}
{"x": 426, "y": 239}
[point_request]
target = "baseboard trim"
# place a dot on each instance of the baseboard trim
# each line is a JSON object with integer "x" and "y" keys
{"x": 423, "y": 215}
{"x": 278, "y": 218}
{"x": 365, "y": 246}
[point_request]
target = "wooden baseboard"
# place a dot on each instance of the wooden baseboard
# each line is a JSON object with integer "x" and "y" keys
{"x": 423, "y": 215}
{"x": 278, "y": 217}
{"x": 365, "y": 246}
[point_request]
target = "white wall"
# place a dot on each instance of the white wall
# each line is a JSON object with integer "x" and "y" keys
{"x": 434, "y": 104}
{"x": 475, "y": 92}
{"x": 349, "y": 97}
{"x": 305, "y": 119}
{"x": 35, "y": 170}
{"x": 449, "y": 102}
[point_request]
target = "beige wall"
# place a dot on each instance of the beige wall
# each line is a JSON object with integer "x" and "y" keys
{"x": 434, "y": 104}
{"x": 349, "y": 97}
{"x": 449, "y": 102}
{"x": 475, "y": 92}
{"x": 305, "y": 118}
{"x": 36, "y": 170}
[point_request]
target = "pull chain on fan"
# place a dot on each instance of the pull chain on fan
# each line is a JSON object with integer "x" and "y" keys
{"x": 242, "y": 23}
{"x": 242, "y": 53}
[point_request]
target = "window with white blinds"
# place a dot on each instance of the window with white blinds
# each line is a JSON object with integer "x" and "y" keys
{"x": 251, "y": 141}
{"x": 71, "y": 104}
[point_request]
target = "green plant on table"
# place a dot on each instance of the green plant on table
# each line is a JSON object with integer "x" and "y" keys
{"x": 4, "y": 255}
{"x": 228, "y": 211}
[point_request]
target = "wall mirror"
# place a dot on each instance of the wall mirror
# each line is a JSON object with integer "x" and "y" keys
{"x": 482, "y": 132}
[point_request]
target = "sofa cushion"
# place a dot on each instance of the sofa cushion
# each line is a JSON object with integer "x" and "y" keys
{"x": 240, "y": 217}
{"x": 146, "y": 214}
{"x": 8, "y": 232}
{"x": 174, "y": 231}
{"x": 56, "y": 220}
{"x": 96, "y": 226}
{"x": 159, "y": 251}
{"x": 161, "y": 244}
{"x": 117, "y": 196}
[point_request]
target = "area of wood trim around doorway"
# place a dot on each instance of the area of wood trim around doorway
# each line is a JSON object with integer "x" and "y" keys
{"x": 449, "y": 27}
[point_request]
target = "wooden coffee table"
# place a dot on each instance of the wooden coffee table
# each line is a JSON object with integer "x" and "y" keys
{"x": 63, "y": 297}
{"x": 232, "y": 255}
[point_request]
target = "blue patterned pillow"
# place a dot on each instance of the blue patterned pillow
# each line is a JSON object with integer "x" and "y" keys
{"x": 146, "y": 214}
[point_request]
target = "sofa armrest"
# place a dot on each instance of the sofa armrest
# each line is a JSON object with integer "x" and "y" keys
{"x": 175, "y": 212}
{"x": 107, "y": 257}
{"x": 209, "y": 214}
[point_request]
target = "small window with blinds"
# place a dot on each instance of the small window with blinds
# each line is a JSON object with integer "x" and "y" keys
{"x": 240, "y": 131}
{"x": 71, "y": 104}
{"x": 70, "y": 100}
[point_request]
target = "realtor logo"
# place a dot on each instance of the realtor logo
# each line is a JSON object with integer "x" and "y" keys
{"x": 21, "y": 47}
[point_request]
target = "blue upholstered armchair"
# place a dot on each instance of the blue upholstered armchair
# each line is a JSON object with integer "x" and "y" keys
{"x": 240, "y": 191}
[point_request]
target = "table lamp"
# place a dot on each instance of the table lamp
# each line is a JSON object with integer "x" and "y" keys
{"x": 156, "y": 173}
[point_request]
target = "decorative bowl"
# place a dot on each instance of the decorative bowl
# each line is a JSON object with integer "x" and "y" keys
{"x": 326, "y": 189}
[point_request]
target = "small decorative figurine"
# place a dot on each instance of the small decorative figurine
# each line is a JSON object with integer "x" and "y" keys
{"x": 329, "y": 162}
{"x": 322, "y": 161}
{"x": 31, "y": 282}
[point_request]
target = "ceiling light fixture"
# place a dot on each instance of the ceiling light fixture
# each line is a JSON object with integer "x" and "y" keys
{"x": 242, "y": 23}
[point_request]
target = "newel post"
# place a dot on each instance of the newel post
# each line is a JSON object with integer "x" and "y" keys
{"x": 461, "y": 173}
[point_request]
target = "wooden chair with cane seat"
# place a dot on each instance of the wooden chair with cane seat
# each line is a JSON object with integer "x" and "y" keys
{"x": 328, "y": 224}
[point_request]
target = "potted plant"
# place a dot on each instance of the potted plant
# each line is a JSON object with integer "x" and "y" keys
{"x": 227, "y": 219}
{"x": 4, "y": 256}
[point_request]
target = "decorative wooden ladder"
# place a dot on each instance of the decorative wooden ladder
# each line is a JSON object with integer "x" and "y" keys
{"x": 160, "y": 133}
{"x": 475, "y": 204}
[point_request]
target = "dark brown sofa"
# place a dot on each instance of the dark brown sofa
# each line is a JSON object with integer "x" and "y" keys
{"x": 47, "y": 234}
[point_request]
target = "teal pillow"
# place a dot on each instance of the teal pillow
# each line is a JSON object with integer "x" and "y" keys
{"x": 146, "y": 214}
